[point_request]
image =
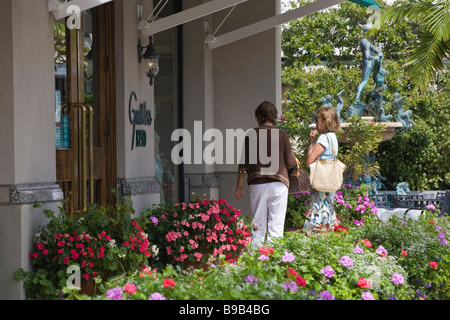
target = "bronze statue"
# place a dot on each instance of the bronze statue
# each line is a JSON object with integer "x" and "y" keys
{"x": 367, "y": 63}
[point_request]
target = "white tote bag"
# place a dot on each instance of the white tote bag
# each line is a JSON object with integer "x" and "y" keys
{"x": 327, "y": 175}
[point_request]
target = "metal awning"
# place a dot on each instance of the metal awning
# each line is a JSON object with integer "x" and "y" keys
{"x": 271, "y": 22}
{"x": 148, "y": 28}
{"x": 187, "y": 15}
{"x": 66, "y": 9}
{"x": 63, "y": 10}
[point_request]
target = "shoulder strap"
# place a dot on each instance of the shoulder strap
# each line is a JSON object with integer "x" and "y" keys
{"x": 331, "y": 146}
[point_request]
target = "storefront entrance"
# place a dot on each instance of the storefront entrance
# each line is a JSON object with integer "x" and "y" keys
{"x": 85, "y": 113}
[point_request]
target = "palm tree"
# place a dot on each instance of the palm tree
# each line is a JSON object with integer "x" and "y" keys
{"x": 426, "y": 56}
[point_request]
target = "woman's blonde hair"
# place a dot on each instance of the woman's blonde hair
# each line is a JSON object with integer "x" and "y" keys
{"x": 330, "y": 118}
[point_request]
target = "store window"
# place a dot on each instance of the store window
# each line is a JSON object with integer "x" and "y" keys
{"x": 168, "y": 108}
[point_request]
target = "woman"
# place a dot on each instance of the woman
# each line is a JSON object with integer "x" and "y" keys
{"x": 321, "y": 216}
{"x": 268, "y": 181}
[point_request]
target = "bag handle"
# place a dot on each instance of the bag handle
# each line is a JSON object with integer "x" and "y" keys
{"x": 331, "y": 146}
{"x": 298, "y": 166}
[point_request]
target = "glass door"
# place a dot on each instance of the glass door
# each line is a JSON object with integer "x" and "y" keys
{"x": 85, "y": 109}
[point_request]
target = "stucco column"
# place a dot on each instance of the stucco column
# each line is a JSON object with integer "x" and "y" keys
{"x": 27, "y": 133}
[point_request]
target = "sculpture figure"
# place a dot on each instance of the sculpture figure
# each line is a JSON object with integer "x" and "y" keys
{"x": 379, "y": 74}
{"x": 379, "y": 112}
{"x": 403, "y": 188}
{"x": 402, "y": 116}
{"x": 340, "y": 104}
{"x": 367, "y": 62}
{"x": 327, "y": 101}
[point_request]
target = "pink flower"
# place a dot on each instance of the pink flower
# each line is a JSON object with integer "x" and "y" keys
{"x": 219, "y": 226}
{"x": 328, "y": 271}
{"x": 194, "y": 245}
{"x": 397, "y": 278}
{"x": 130, "y": 288}
{"x": 433, "y": 264}
{"x": 198, "y": 255}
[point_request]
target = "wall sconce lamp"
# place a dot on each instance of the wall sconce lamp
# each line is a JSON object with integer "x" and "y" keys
{"x": 151, "y": 58}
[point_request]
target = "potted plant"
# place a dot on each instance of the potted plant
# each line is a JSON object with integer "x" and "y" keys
{"x": 99, "y": 243}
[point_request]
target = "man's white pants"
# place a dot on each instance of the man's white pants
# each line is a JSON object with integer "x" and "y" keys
{"x": 268, "y": 202}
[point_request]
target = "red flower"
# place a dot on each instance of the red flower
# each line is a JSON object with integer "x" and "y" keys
{"x": 364, "y": 283}
{"x": 433, "y": 264}
{"x": 298, "y": 279}
{"x": 403, "y": 253}
{"x": 130, "y": 288}
{"x": 340, "y": 228}
{"x": 266, "y": 251}
{"x": 301, "y": 282}
{"x": 168, "y": 283}
{"x": 292, "y": 272}
{"x": 367, "y": 243}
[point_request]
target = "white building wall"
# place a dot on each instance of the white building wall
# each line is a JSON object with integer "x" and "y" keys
{"x": 27, "y": 141}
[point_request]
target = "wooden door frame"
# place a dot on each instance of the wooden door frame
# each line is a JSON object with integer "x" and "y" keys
{"x": 107, "y": 101}
{"x": 105, "y": 159}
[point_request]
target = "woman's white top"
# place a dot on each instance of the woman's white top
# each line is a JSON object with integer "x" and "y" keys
{"x": 323, "y": 140}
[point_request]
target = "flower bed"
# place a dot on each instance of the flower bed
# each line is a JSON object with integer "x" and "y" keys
{"x": 375, "y": 260}
{"x": 370, "y": 261}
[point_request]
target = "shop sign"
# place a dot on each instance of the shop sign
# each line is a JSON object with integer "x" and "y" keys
{"x": 138, "y": 118}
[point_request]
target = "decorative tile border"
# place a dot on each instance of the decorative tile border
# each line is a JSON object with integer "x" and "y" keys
{"x": 133, "y": 186}
{"x": 30, "y": 193}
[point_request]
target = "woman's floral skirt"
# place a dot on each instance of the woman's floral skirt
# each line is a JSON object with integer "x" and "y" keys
{"x": 321, "y": 217}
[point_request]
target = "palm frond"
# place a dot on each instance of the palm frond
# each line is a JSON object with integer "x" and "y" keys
{"x": 438, "y": 19}
{"x": 426, "y": 58}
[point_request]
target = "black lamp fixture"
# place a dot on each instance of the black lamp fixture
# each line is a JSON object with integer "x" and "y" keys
{"x": 151, "y": 58}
